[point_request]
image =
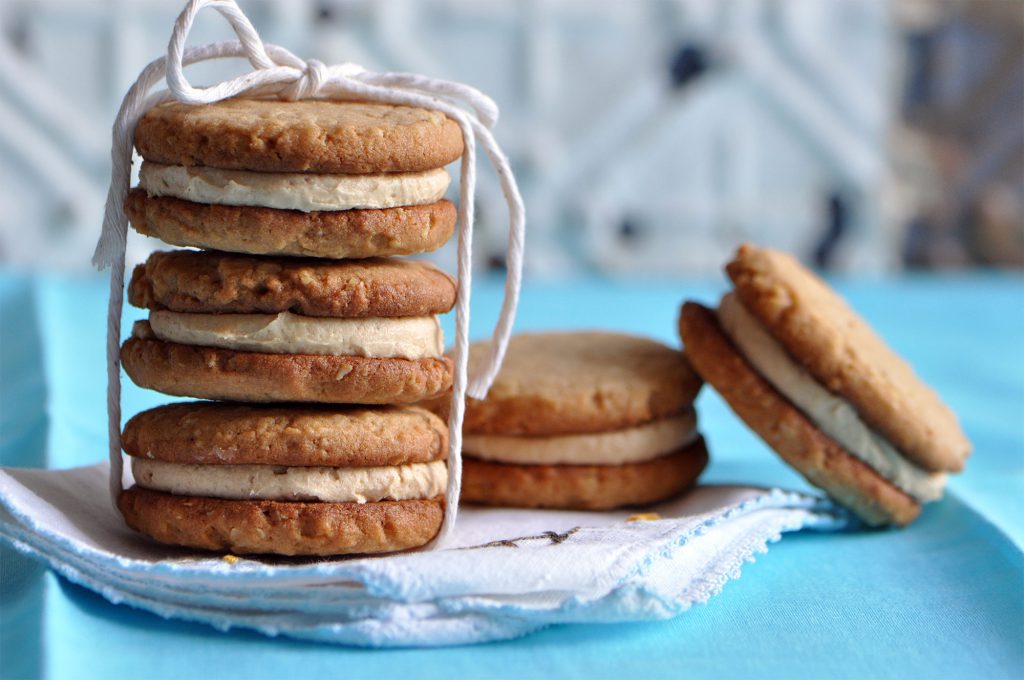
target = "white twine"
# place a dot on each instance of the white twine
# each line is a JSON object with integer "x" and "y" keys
{"x": 278, "y": 72}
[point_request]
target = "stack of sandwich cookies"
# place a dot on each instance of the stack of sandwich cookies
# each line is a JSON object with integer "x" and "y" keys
{"x": 301, "y": 204}
{"x": 290, "y": 480}
{"x": 584, "y": 420}
{"x": 823, "y": 390}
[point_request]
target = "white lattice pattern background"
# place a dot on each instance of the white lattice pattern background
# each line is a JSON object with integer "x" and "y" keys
{"x": 649, "y": 137}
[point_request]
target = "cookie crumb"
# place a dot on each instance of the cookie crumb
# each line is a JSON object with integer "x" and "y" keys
{"x": 643, "y": 517}
{"x": 231, "y": 559}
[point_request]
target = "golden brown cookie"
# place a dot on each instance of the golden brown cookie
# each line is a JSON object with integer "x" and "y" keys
{"x": 281, "y": 527}
{"x": 214, "y": 282}
{"x": 820, "y": 331}
{"x": 785, "y": 428}
{"x": 224, "y": 433}
{"x": 582, "y": 487}
{"x": 265, "y": 231}
{"x": 330, "y": 137}
{"x": 563, "y": 383}
{"x": 213, "y": 373}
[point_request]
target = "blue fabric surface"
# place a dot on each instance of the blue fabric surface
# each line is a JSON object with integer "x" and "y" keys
{"x": 944, "y": 597}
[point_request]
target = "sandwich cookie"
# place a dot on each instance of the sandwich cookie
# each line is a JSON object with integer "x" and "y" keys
{"x": 309, "y": 178}
{"x": 812, "y": 379}
{"x": 288, "y": 480}
{"x": 587, "y": 420}
{"x": 256, "y": 329}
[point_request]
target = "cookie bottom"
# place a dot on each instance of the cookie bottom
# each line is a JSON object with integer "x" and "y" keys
{"x": 582, "y": 487}
{"x": 214, "y": 373}
{"x": 785, "y": 428}
{"x": 281, "y": 527}
{"x": 335, "y": 234}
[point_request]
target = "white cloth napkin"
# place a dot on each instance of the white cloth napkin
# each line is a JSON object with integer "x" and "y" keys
{"x": 505, "y": 572}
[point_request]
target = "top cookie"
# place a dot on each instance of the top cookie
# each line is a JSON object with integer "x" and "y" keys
{"x": 212, "y": 282}
{"x": 330, "y": 137}
{"x": 841, "y": 351}
{"x": 224, "y": 433}
{"x": 563, "y": 383}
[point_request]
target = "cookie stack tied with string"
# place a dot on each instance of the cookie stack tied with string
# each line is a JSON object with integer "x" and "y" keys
{"x": 314, "y": 340}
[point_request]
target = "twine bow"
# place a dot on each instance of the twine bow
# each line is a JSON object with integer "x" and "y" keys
{"x": 278, "y": 72}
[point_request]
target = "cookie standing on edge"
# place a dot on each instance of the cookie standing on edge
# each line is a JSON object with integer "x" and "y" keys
{"x": 246, "y": 328}
{"x": 586, "y": 420}
{"x": 290, "y": 480}
{"x": 810, "y": 377}
{"x": 310, "y": 178}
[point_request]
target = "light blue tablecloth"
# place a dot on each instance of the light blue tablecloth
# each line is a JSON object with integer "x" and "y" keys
{"x": 944, "y": 598}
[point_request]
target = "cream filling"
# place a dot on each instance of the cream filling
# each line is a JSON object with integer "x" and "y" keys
{"x": 282, "y": 483}
{"x": 293, "y": 191}
{"x": 617, "y": 447}
{"x": 414, "y": 337}
{"x": 836, "y": 417}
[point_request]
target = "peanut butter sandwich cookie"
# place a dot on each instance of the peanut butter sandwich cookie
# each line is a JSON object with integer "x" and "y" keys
{"x": 585, "y": 420}
{"x": 310, "y": 178}
{"x": 287, "y": 480}
{"x": 261, "y": 329}
{"x": 813, "y": 380}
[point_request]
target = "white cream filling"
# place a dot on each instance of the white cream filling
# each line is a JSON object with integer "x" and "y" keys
{"x": 293, "y": 191}
{"x": 836, "y": 417}
{"x": 274, "y": 482}
{"x": 414, "y": 337}
{"x": 617, "y": 447}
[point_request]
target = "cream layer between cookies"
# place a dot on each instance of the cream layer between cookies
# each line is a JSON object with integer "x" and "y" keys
{"x": 415, "y": 337}
{"x": 281, "y": 483}
{"x": 307, "y": 192}
{"x": 617, "y": 447}
{"x": 836, "y": 417}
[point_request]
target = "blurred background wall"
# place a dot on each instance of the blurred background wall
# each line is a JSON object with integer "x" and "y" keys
{"x": 649, "y": 137}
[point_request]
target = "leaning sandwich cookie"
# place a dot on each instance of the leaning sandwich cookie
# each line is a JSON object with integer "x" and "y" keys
{"x": 262, "y": 329}
{"x": 812, "y": 379}
{"x": 585, "y": 420}
{"x": 286, "y": 479}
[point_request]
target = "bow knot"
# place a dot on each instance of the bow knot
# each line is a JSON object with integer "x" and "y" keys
{"x": 308, "y": 84}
